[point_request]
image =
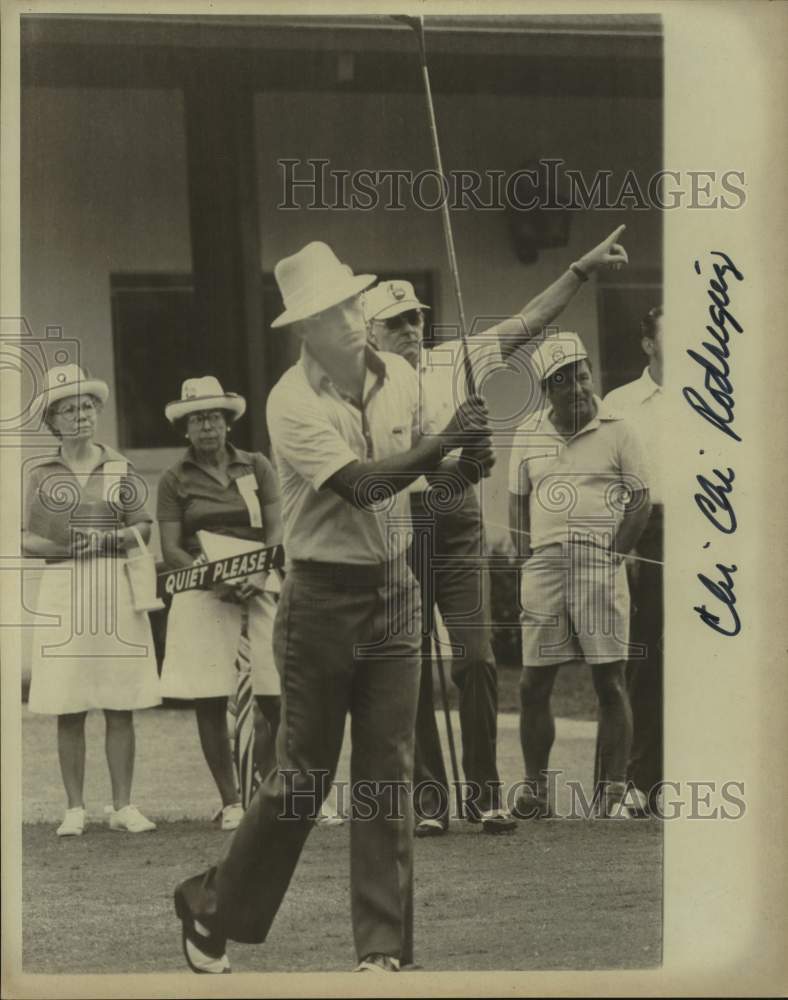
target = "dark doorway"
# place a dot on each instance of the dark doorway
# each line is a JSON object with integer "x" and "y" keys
{"x": 621, "y": 306}
{"x": 158, "y": 343}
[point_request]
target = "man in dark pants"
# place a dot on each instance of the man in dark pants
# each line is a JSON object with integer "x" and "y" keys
{"x": 451, "y": 536}
{"x": 641, "y": 402}
{"x": 344, "y": 427}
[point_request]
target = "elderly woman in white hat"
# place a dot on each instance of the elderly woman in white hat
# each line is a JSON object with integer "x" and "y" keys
{"x": 84, "y": 509}
{"x": 218, "y": 488}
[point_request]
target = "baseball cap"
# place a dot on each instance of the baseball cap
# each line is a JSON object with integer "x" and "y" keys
{"x": 390, "y": 298}
{"x": 556, "y": 351}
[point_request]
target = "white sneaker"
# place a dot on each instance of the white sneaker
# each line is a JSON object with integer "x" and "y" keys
{"x": 73, "y": 824}
{"x": 129, "y": 820}
{"x": 619, "y": 811}
{"x": 329, "y": 814}
{"x": 637, "y": 802}
{"x": 232, "y": 816}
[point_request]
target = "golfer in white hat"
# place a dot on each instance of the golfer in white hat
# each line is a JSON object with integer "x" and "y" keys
{"x": 461, "y": 590}
{"x": 219, "y": 488}
{"x": 578, "y": 501}
{"x": 84, "y": 509}
{"x": 343, "y": 424}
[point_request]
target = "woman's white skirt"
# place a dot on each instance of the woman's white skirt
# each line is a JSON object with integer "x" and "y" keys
{"x": 202, "y": 643}
{"x": 95, "y": 651}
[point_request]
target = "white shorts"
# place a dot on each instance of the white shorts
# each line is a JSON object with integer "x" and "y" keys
{"x": 202, "y": 643}
{"x": 575, "y": 605}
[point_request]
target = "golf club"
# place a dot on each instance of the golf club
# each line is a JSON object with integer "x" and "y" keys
{"x": 417, "y": 24}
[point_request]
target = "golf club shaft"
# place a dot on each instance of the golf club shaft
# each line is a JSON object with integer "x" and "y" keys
{"x": 447, "y": 715}
{"x": 418, "y": 26}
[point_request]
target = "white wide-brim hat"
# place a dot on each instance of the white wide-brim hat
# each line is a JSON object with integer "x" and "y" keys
{"x": 314, "y": 279}
{"x": 204, "y": 393}
{"x": 390, "y": 298}
{"x": 556, "y": 351}
{"x": 70, "y": 380}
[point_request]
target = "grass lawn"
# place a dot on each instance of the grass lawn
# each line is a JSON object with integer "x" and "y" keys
{"x": 562, "y": 894}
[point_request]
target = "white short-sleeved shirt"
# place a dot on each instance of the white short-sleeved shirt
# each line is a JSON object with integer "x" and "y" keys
{"x": 643, "y": 403}
{"x": 575, "y": 485}
{"x": 442, "y": 381}
{"x": 316, "y": 431}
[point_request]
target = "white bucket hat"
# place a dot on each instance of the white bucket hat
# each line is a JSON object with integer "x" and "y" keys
{"x": 70, "y": 380}
{"x": 556, "y": 351}
{"x": 315, "y": 279}
{"x": 390, "y": 298}
{"x": 204, "y": 393}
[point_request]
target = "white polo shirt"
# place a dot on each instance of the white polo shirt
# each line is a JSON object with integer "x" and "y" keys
{"x": 316, "y": 431}
{"x": 643, "y": 403}
{"x": 442, "y": 381}
{"x": 575, "y": 484}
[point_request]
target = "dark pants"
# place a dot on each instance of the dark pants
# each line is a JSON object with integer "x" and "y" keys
{"x": 446, "y": 557}
{"x": 325, "y": 616}
{"x": 644, "y": 675}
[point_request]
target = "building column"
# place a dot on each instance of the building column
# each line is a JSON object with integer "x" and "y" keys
{"x": 223, "y": 212}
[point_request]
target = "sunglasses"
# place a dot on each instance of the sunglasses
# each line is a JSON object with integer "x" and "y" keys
{"x": 410, "y": 318}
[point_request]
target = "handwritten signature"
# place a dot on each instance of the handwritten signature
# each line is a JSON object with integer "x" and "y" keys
{"x": 715, "y": 404}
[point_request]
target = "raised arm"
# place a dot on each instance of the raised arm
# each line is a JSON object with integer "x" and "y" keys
{"x": 541, "y": 310}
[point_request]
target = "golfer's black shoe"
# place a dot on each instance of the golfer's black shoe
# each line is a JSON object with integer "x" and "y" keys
{"x": 497, "y": 821}
{"x": 204, "y": 952}
{"x": 528, "y": 805}
{"x": 430, "y": 828}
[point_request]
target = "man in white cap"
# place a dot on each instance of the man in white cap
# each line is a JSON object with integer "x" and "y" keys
{"x": 344, "y": 427}
{"x": 578, "y": 501}
{"x": 461, "y": 591}
{"x": 642, "y": 403}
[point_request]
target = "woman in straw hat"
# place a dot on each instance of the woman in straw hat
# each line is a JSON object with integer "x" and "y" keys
{"x": 84, "y": 509}
{"x": 218, "y": 488}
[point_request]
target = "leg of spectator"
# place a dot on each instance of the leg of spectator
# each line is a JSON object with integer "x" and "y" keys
{"x": 266, "y": 728}
{"x": 537, "y": 726}
{"x": 120, "y": 748}
{"x": 71, "y": 753}
{"x": 462, "y": 593}
{"x": 615, "y": 720}
{"x": 645, "y": 675}
{"x": 211, "y": 714}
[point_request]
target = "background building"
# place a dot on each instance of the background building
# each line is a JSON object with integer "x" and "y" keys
{"x": 152, "y": 180}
